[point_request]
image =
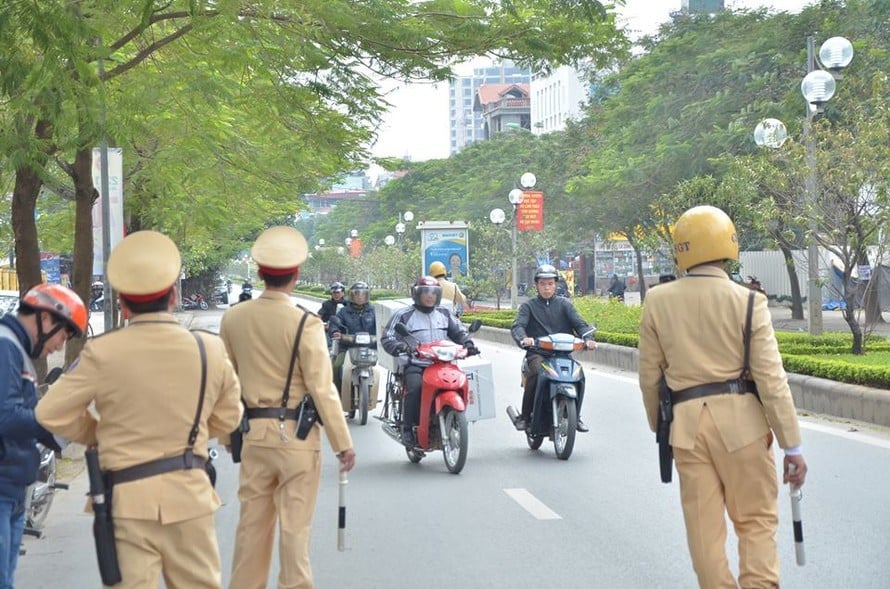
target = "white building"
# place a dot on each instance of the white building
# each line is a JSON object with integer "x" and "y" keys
{"x": 555, "y": 98}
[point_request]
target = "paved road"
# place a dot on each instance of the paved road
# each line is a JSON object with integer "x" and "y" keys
{"x": 518, "y": 518}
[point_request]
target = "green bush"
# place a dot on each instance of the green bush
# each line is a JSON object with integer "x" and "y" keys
{"x": 801, "y": 353}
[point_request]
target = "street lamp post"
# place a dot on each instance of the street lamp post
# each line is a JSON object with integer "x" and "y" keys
{"x": 497, "y": 216}
{"x": 516, "y": 196}
{"x": 400, "y": 226}
{"x": 818, "y": 87}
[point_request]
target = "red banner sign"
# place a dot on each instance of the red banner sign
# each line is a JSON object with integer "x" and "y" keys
{"x": 530, "y": 216}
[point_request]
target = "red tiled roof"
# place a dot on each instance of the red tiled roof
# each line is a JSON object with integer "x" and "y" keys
{"x": 489, "y": 93}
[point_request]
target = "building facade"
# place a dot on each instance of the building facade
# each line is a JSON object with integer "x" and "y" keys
{"x": 557, "y": 97}
{"x": 465, "y": 125}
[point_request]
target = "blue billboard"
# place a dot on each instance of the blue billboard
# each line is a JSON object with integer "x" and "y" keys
{"x": 446, "y": 242}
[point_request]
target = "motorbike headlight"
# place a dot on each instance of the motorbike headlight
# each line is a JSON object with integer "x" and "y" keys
{"x": 445, "y": 354}
{"x": 363, "y": 338}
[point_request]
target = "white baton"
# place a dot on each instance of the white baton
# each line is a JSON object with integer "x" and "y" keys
{"x": 341, "y": 515}
{"x": 796, "y": 497}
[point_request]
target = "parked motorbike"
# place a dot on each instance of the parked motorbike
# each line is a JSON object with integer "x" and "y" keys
{"x": 40, "y": 494}
{"x": 363, "y": 356}
{"x": 560, "y": 383}
{"x": 443, "y": 399}
{"x": 194, "y": 302}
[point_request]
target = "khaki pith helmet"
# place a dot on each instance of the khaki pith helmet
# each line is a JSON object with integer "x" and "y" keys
{"x": 143, "y": 264}
{"x": 704, "y": 234}
{"x": 280, "y": 248}
{"x": 437, "y": 269}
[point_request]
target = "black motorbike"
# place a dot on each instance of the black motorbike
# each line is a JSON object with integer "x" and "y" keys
{"x": 246, "y": 292}
{"x": 560, "y": 384}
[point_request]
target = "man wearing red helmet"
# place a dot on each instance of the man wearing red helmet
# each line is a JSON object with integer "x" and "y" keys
{"x": 426, "y": 321}
{"x": 48, "y": 315}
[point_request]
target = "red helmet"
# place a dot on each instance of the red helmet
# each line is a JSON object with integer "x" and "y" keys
{"x": 426, "y": 284}
{"x": 63, "y": 303}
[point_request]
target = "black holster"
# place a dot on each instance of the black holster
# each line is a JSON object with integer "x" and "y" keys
{"x": 237, "y": 438}
{"x": 663, "y": 432}
{"x": 307, "y": 417}
{"x": 103, "y": 524}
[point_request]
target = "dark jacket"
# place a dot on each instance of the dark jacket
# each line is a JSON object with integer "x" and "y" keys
{"x": 538, "y": 317}
{"x": 19, "y": 430}
{"x": 329, "y": 309}
{"x": 351, "y": 319}
{"x": 439, "y": 324}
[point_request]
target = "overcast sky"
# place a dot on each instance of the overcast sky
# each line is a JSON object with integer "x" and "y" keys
{"x": 417, "y": 125}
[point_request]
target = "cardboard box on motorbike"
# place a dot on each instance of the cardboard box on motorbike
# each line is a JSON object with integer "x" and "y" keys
{"x": 478, "y": 369}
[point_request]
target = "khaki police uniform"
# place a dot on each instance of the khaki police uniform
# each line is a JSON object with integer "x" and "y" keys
{"x": 279, "y": 473}
{"x": 692, "y": 331}
{"x": 451, "y": 292}
{"x": 145, "y": 382}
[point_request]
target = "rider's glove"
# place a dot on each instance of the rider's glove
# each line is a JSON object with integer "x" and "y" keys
{"x": 402, "y": 348}
{"x": 472, "y": 350}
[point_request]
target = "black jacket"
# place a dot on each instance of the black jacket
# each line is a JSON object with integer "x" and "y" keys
{"x": 329, "y": 308}
{"x": 538, "y": 317}
{"x": 351, "y": 319}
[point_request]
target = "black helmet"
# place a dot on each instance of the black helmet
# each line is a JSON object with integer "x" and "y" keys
{"x": 546, "y": 271}
{"x": 423, "y": 285}
{"x": 359, "y": 288}
{"x": 336, "y": 287}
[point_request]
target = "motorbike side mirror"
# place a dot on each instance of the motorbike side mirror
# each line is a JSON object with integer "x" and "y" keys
{"x": 475, "y": 325}
{"x": 589, "y": 333}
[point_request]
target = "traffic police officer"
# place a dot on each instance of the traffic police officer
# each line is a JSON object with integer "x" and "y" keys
{"x": 691, "y": 334}
{"x": 450, "y": 291}
{"x": 145, "y": 381}
{"x": 280, "y": 473}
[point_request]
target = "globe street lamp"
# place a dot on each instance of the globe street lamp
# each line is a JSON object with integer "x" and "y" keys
{"x": 817, "y": 88}
{"x": 389, "y": 240}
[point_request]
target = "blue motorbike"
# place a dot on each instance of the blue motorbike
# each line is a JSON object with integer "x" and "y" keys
{"x": 560, "y": 384}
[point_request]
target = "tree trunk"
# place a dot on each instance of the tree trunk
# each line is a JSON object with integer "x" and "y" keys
{"x": 82, "y": 262}
{"x": 850, "y": 313}
{"x": 796, "y": 299}
{"x": 642, "y": 279}
{"x": 872, "y": 298}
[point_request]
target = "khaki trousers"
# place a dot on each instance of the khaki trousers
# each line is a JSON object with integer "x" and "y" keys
{"x": 346, "y": 386}
{"x": 278, "y": 485}
{"x": 742, "y": 483}
{"x": 186, "y": 552}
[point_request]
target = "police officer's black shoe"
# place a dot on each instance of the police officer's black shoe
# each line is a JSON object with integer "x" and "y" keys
{"x": 408, "y": 438}
{"x": 521, "y": 424}
{"x": 581, "y": 426}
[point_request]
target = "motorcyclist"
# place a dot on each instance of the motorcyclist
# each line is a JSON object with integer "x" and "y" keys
{"x": 617, "y": 288}
{"x": 330, "y": 307}
{"x": 544, "y": 315}
{"x": 426, "y": 322}
{"x": 246, "y": 292}
{"x": 355, "y": 316}
{"x": 47, "y": 317}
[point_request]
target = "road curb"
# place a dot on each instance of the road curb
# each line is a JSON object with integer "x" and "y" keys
{"x": 816, "y": 395}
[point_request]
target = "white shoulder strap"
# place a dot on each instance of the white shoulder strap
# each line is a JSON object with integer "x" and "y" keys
{"x": 9, "y": 334}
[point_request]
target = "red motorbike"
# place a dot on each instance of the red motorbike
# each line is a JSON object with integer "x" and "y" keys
{"x": 443, "y": 400}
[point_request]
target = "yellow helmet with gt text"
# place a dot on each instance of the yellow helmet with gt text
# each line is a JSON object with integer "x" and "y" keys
{"x": 704, "y": 234}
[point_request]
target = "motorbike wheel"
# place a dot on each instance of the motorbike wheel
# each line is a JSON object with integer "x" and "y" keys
{"x": 42, "y": 493}
{"x": 566, "y": 427}
{"x": 204, "y": 306}
{"x": 534, "y": 442}
{"x": 455, "y": 438}
{"x": 364, "y": 393}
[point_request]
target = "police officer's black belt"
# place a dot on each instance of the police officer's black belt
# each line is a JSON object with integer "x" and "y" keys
{"x": 186, "y": 461}
{"x": 270, "y": 412}
{"x": 736, "y": 386}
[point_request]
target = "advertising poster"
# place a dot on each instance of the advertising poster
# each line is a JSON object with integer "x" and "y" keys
{"x": 116, "y": 200}
{"x": 50, "y": 264}
{"x": 446, "y": 242}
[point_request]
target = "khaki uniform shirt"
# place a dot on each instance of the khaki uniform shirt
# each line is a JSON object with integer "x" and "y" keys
{"x": 451, "y": 292}
{"x": 259, "y": 336}
{"x": 145, "y": 381}
{"x": 692, "y": 331}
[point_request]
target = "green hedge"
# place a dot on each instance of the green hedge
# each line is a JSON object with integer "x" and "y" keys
{"x": 801, "y": 353}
